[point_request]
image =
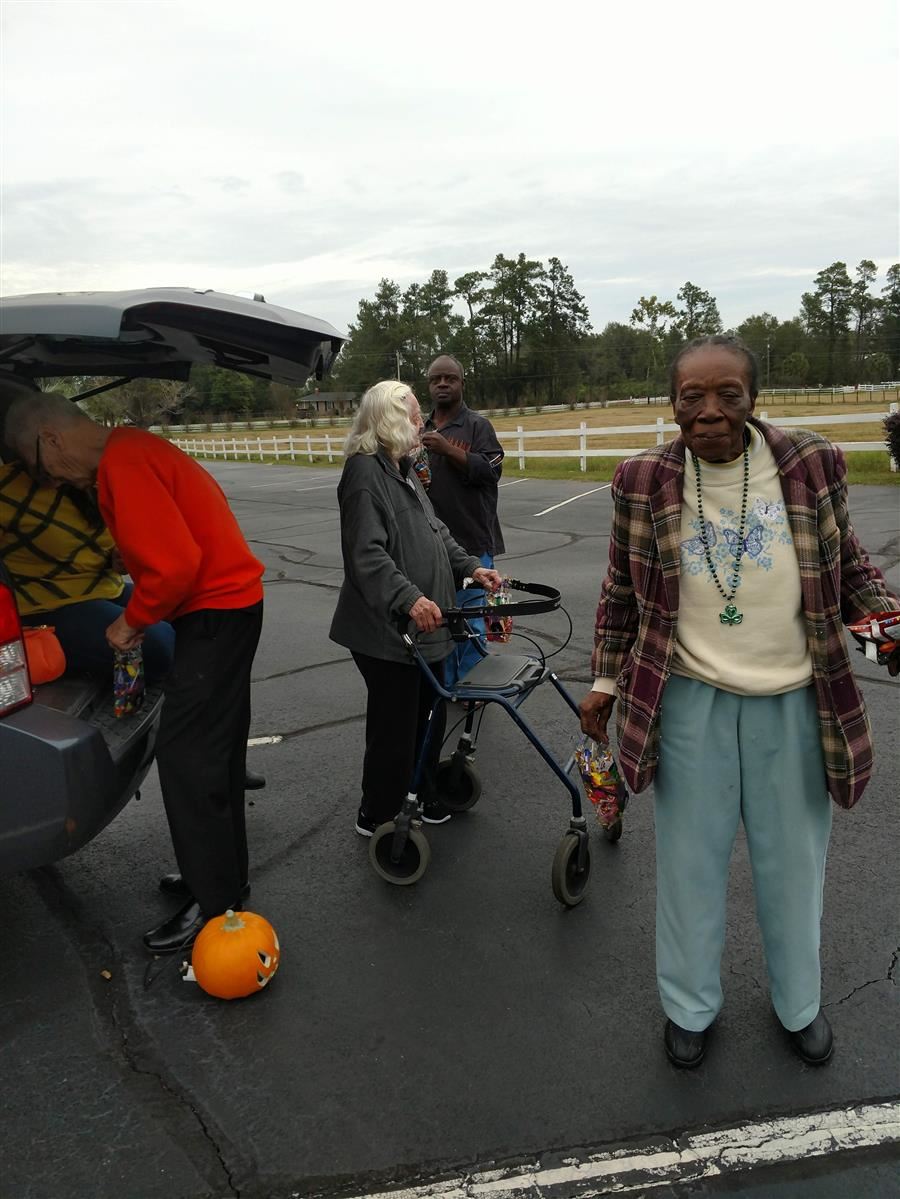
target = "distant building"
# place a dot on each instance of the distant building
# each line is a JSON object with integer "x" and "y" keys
{"x": 328, "y": 403}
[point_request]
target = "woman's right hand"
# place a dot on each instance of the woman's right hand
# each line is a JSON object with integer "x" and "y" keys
{"x": 426, "y": 614}
{"x": 595, "y": 710}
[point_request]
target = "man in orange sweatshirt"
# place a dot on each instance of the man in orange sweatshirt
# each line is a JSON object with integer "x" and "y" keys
{"x": 190, "y": 565}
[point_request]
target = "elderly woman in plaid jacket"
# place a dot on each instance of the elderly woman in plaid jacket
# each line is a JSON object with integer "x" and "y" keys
{"x": 733, "y": 567}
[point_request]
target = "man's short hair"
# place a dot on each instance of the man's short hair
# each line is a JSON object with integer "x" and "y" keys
{"x": 462, "y": 369}
{"x": 28, "y": 413}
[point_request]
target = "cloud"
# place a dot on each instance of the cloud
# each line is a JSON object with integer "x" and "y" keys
{"x": 290, "y": 181}
{"x": 232, "y": 183}
{"x": 233, "y": 166}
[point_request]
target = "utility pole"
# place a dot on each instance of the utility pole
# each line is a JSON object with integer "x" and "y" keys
{"x": 397, "y": 355}
{"x": 767, "y": 363}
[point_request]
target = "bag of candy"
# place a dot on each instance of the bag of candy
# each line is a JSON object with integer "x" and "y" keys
{"x": 603, "y": 784}
{"x": 421, "y": 464}
{"x": 498, "y": 627}
{"x": 128, "y": 681}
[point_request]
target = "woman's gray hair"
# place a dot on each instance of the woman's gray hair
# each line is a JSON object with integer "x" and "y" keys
{"x": 27, "y": 415}
{"x": 382, "y": 420}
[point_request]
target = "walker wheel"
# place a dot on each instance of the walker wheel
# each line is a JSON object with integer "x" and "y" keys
{"x": 569, "y": 883}
{"x": 460, "y": 793}
{"x": 413, "y": 860}
{"x": 614, "y": 832}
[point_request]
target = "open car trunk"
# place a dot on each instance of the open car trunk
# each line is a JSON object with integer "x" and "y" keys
{"x": 160, "y": 333}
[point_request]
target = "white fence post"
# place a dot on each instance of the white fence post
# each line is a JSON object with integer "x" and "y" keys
{"x": 328, "y": 447}
{"x": 521, "y": 445}
{"x": 247, "y": 447}
{"x": 582, "y": 445}
{"x": 291, "y": 444}
{"x": 659, "y": 430}
{"x": 309, "y": 447}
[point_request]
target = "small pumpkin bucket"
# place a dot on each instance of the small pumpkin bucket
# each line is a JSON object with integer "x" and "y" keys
{"x": 46, "y": 659}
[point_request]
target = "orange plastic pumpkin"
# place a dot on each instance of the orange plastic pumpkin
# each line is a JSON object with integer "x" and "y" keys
{"x": 235, "y": 955}
{"x": 46, "y": 659}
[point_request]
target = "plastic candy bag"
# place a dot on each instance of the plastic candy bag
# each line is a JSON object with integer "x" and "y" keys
{"x": 499, "y": 627}
{"x": 603, "y": 784}
{"x": 128, "y": 681}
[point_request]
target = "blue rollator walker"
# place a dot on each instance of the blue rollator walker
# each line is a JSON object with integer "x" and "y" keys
{"x": 399, "y": 850}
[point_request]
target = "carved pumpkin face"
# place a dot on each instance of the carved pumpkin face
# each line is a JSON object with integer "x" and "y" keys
{"x": 235, "y": 955}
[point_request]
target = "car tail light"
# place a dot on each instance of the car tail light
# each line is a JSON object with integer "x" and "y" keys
{"x": 15, "y": 682}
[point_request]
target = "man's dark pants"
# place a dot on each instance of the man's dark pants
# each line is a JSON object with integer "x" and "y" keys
{"x": 201, "y": 751}
{"x": 397, "y": 707}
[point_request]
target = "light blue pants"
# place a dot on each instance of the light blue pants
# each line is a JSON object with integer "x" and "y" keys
{"x": 465, "y": 654}
{"x": 725, "y": 758}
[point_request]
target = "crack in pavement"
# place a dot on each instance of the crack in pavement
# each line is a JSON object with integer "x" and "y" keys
{"x": 315, "y": 728}
{"x": 282, "y": 579}
{"x": 116, "y": 1017}
{"x": 283, "y": 674}
{"x": 889, "y": 977}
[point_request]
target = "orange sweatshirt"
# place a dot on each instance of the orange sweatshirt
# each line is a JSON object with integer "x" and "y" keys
{"x": 177, "y": 536}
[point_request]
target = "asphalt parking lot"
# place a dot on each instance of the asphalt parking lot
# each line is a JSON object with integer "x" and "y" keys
{"x": 437, "y": 1030}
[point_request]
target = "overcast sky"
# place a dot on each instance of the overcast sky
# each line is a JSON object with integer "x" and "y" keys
{"x": 304, "y": 151}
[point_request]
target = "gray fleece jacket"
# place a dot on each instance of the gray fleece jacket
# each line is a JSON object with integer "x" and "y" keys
{"x": 395, "y": 550}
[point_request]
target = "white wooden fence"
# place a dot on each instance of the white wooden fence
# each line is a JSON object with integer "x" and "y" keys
{"x": 300, "y": 447}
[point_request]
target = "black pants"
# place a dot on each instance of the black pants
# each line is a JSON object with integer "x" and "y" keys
{"x": 399, "y": 701}
{"x": 201, "y": 751}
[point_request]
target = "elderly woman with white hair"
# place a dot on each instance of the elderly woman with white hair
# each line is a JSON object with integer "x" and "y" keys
{"x": 399, "y": 560}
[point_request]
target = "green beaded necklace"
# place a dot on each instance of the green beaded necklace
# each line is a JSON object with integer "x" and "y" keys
{"x": 730, "y": 616}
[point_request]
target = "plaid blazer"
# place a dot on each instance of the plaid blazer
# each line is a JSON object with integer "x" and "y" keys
{"x": 637, "y": 617}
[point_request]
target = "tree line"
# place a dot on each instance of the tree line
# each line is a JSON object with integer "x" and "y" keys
{"x": 523, "y": 334}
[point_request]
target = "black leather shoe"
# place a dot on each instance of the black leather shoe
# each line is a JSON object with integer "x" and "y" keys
{"x": 253, "y": 781}
{"x": 684, "y": 1049}
{"x": 178, "y": 932}
{"x": 815, "y": 1043}
{"x": 174, "y": 884}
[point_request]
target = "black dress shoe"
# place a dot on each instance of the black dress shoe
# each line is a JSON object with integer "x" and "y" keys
{"x": 684, "y": 1049}
{"x": 178, "y": 932}
{"x": 815, "y": 1043}
{"x": 253, "y": 781}
{"x": 174, "y": 884}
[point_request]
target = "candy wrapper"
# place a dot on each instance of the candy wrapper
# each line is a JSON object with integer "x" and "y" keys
{"x": 422, "y": 467}
{"x": 499, "y": 627}
{"x": 128, "y": 681}
{"x": 602, "y": 783}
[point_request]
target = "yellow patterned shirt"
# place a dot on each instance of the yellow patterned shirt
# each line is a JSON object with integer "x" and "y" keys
{"x": 54, "y": 545}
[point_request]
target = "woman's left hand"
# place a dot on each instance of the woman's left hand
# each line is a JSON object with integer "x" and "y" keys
{"x": 491, "y": 580}
{"x": 120, "y": 635}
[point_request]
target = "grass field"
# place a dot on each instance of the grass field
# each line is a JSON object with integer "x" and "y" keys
{"x": 863, "y": 467}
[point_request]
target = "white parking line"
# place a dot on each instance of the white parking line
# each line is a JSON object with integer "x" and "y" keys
{"x": 276, "y": 740}
{"x": 686, "y": 1159}
{"x": 321, "y": 487}
{"x": 593, "y": 491}
{"x": 512, "y": 482}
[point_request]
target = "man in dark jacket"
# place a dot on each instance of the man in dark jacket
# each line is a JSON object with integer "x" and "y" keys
{"x": 466, "y": 463}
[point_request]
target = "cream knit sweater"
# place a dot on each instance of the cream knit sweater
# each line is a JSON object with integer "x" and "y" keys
{"x": 766, "y": 654}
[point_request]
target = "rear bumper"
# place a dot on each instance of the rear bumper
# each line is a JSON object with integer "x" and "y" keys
{"x": 59, "y": 782}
